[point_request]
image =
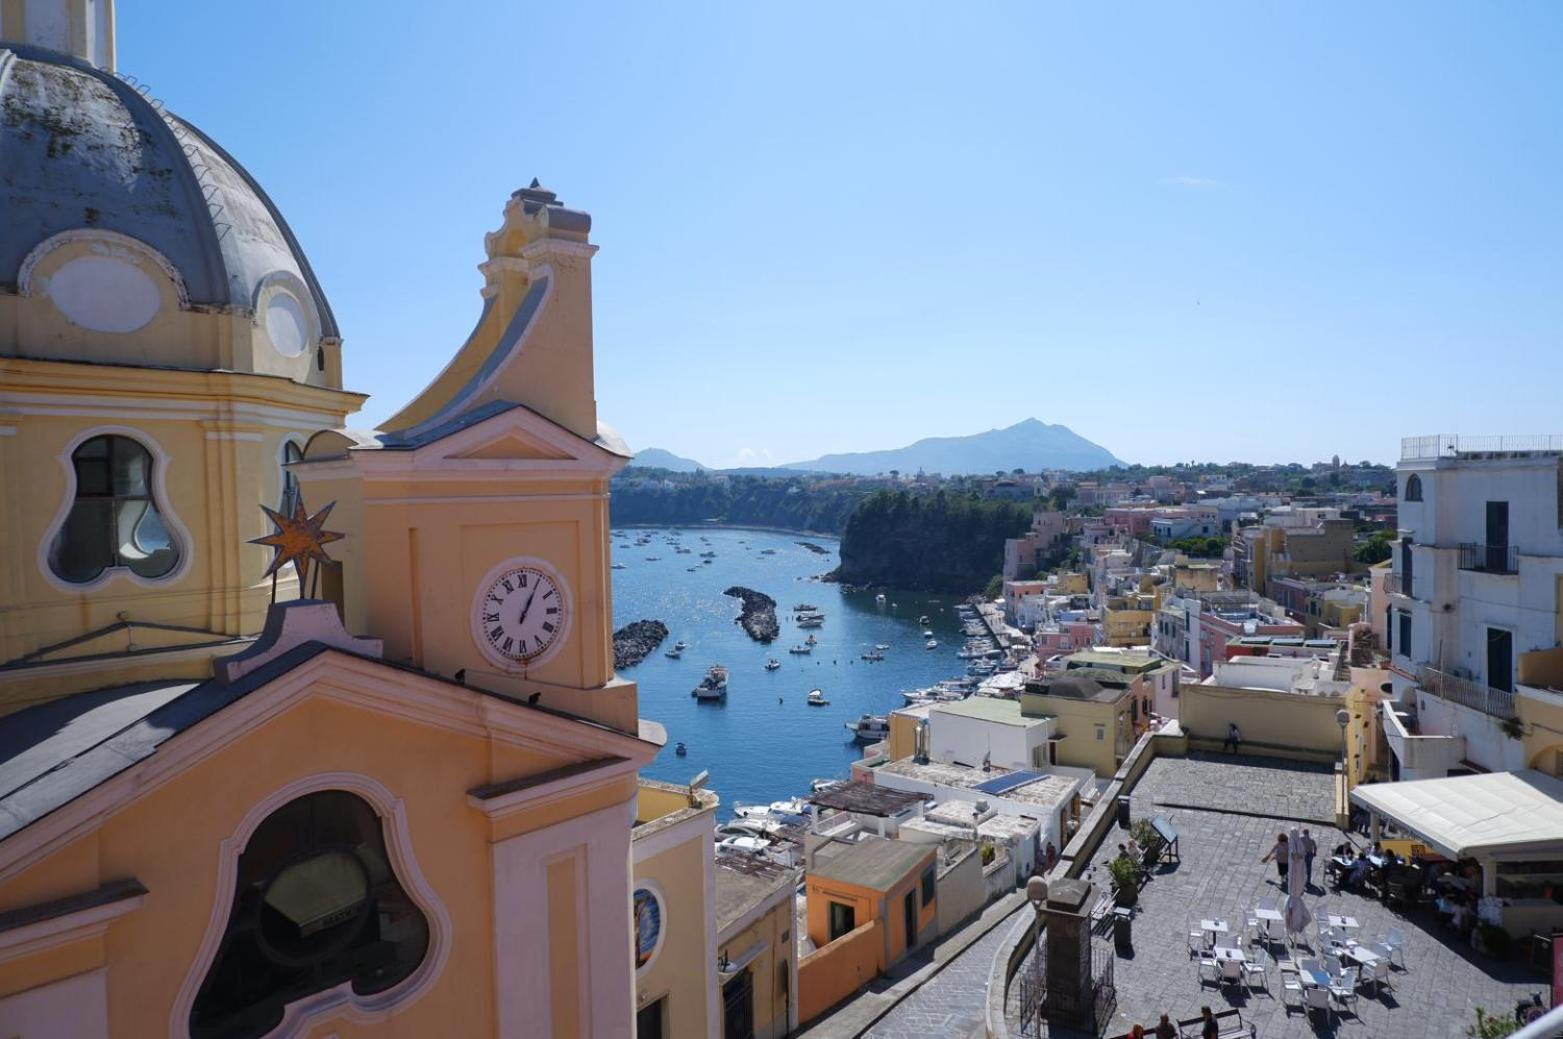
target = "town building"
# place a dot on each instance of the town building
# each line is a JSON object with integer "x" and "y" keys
{"x": 1473, "y": 619}
{"x": 357, "y": 764}
{"x": 756, "y": 962}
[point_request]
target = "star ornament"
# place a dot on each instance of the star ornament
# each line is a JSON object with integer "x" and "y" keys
{"x": 298, "y": 539}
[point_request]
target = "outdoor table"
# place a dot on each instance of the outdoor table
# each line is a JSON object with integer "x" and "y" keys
{"x": 1348, "y": 923}
{"x": 1360, "y": 954}
{"x": 1316, "y": 976}
{"x": 1213, "y": 926}
{"x": 1231, "y": 954}
{"x": 1378, "y": 860}
{"x": 1270, "y": 914}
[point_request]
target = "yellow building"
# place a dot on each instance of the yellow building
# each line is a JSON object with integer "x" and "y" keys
{"x": 1094, "y": 716}
{"x": 757, "y": 961}
{"x": 401, "y": 807}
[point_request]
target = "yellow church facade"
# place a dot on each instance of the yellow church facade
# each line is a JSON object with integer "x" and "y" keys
{"x": 392, "y": 794}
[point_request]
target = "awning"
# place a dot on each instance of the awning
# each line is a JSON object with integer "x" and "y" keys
{"x": 1504, "y": 815}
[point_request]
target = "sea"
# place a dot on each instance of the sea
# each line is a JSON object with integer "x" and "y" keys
{"x": 765, "y": 743}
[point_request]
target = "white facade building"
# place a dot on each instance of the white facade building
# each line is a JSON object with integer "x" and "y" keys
{"x": 1477, "y": 584}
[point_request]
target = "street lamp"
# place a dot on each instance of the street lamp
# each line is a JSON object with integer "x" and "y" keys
{"x": 1343, "y": 718}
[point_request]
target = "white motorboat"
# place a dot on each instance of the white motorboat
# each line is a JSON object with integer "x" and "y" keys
{"x": 923, "y": 619}
{"x": 713, "y": 686}
{"x": 804, "y": 607}
{"x": 927, "y": 633}
{"x": 880, "y": 598}
{"x": 881, "y": 646}
{"x": 772, "y": 664}
{"x": 931, "y": 644}
{"x": 674, "y": 653}
{"x": 817, "y": 699}
{"x": 619, "y": 566}
{"x": 872, "y": 654}
{"x": 811, "y": 620}
{"x": 742, "y": 846}
{"x": 870, "y": 728}
{"x": 811, "y": 641}
{"x": 818, "y": 785}
{"x": 800, "y": 650}
{"x": 680, "y": 645}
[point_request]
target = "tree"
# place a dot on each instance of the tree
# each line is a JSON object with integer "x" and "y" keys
{"x": 995, "y": 586}
{"x": 1490, "y": 1027}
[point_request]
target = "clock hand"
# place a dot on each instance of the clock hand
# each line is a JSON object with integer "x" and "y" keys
{"x": 522, "y": 620}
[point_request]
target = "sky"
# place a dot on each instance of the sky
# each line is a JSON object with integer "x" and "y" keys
{"x": 1253, "y": 231}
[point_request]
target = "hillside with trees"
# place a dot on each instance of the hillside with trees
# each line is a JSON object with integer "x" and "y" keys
{"x": 937, "y": 542}
{"x": 740, "y": 501}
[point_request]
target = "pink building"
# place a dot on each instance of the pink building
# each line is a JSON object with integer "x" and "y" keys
{"x": 1129, "y": 520}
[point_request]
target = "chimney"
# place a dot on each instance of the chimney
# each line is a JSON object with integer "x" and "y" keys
{"x": 81, "y": 28}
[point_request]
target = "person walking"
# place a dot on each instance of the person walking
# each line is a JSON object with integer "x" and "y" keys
{"x": 1310, "y": 849}
{"x": 1208, "y": 1027}
{"x": 1280, "y": 854}
{"x": 1166, "y": 1029}
{"x": 1234, "y": 738}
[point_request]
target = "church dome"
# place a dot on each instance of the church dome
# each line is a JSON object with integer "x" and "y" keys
{"x": 87, "y": 157}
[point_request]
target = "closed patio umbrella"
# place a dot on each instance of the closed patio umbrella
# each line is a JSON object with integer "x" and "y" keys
{"x": 1297, "y": 915}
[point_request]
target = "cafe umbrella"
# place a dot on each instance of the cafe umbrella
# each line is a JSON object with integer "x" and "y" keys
{"x": 1297, "y": 915}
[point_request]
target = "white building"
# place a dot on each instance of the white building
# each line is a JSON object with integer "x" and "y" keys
{"x": 1474, "y": 596}
{"x": 984, "y": 730}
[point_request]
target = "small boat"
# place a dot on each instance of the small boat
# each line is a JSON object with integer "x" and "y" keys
{"x": 812, "y": 620}
{"x": 653, "y": 559}
{"x": 931, "y": 644}
{"x": 872, "y": 654}
{"x": 681, "y": 645}
{"x": 881, "y": 646}
{"x": 801, "y": 649}
{"x": 772, "y": 664}
{"x": 742, "y": 846}
{"x": 927, "y": 633}
{"x": 811, "y": 641}
{"x": 713, "y": 686}
{"x": 673, "y": 654}
{"x": 690, "y": 569}
{"x": 818, "y": 785}
{"x": 880, "y": 598}
{"x": 804, "y": 607}
{"x": 817, "y": 699}
{"x": 768, "y": 552}
{"x": 923, "y": 619}
{"x": 681, "y": 750}
{"x": 708, "y": 555}
{"x": 619, "y": 566}
{"x": 870, "y": 728}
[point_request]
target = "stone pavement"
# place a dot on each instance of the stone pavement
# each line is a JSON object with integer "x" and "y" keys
{"x": 1221, "y": 875}
{"x": 938, "y": 991}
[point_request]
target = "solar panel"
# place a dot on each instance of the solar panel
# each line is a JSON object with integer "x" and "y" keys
{"x": 1009, "y": 781}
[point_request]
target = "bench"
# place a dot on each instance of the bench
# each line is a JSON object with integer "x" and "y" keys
{"x": 1230, "y": 1022}
{"x": 1169, "y": 838}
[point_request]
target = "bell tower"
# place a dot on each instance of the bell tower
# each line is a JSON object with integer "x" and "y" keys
{"x": 483, "y": 505}
{"x": 82, "y": 28}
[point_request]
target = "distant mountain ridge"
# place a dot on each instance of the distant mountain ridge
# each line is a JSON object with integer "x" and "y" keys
{"x": 1031, "y": 445}
{"x": 656, "y": 458}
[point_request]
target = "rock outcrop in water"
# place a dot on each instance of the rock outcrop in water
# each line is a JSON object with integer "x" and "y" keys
{"x": 816, "y": 549}
{"x": 636, "y": 641}
{"x": 759, "y": 613}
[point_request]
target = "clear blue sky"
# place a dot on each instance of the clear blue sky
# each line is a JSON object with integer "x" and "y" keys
{"x": 1253, "y": 231}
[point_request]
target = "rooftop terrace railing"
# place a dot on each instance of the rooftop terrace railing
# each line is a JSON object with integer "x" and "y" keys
{"x": 1489, "y": 559}
{"x": 1498, "y": 703}
{"x": 1452, "y": 445}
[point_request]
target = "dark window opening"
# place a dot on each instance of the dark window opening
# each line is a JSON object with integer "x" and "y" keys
{"x": 843, "y": 920}
{"x": 1403, "y": 643}
{"x": 738, "y": 1006}
{"x": 114, "y": 521}
{"x": 291, "y": 453}
{"x": 316, "y": 903}
{"x": 650, "y": 1020}
{"x": 1413, "y": 488}
{"x": 1500, "y": 659}
{"x": 928, "y": 886}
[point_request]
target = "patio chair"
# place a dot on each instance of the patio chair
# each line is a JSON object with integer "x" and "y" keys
{"x": 1211, "y": 964}
{"x": 1291, "y": 985}
{"x": 1395, "y": 941}
{"x": 1228, "y": 941}
{"x": 1315, "y": 998}
{"x": 1196, "y": 942}
{"x": 1232, "y": 972}
{"x": 1257, "y": 968}
{"x": 1332, "y": 964}
{"x": 1253, "y": 930}
{"x": 1343, "y": 987}
{"x": 1379, "y": 969}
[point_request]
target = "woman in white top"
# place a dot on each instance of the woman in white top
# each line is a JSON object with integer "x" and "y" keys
{"x": 1281, "y": 854}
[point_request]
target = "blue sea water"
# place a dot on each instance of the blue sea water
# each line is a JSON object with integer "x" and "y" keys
{"x": 765, "y": 743}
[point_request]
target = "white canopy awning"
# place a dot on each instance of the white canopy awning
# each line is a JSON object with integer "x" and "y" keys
{"x": 1505, "y": 815}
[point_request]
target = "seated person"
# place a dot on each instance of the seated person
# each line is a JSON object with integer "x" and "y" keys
{"x": 1360, "y": 868}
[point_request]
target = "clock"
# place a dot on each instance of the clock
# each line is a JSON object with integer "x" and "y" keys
{"x": 521, "y": 613}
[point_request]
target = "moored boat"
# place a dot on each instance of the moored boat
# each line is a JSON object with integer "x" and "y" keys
{"x": 817, "y": 699}
{"x": 870, "y": 728}
{"x": 713, "y": 686}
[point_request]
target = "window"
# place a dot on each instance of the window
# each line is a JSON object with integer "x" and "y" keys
{"x": 114, "y": 520}
{"x": 843, "y": 920}
{"x": 1413, "y": 488}
{"x": 1403, "y": 641}
{"x": 291, "y": 453}
{"x": 316, "y": 903}
{"x": 648, "y": 926}
{"x": 928, "y": 886}
{"x": 650, "y": 1020}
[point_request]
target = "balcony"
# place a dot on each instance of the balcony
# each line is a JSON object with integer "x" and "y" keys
{"x": 1489, "y": 559}
{"x": 1397, "y": 583}
{"x": 1447, "y": 445}
{"x": 1467, "y": 693}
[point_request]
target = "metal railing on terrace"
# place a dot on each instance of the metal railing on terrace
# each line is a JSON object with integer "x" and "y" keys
{"x": 1489, "y": 559}
{"x": 1452, "y": 445}
{"x": 1397, "y": 583}
{"x": 1467, "y": 692}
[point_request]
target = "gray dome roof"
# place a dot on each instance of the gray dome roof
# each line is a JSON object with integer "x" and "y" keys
{"x": 82, "y": 149}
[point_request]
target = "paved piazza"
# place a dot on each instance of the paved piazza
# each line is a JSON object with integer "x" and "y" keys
{"x": 1221, "y": 875}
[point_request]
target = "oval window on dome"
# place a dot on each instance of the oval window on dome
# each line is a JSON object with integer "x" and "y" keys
{"x": 104, "y": 294}
{"x": 287, "y": 323}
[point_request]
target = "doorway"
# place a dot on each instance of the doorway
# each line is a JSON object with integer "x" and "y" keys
{"x": 738, "y": 1006}
{"x": 1500, "y": 659}
{"x": 1497, "y": 537}
{"x": 909, "y": 915}
{"x": 649, "y": 1020}
{"x": 843, "y": 920}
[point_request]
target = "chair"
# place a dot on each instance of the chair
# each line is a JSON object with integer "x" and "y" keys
{"x": 1196, "y": 942}
{"x": 1258, "y": 967}
{"x": 1232, "y": 972}
{"x": 1228, "y": 941}
{"x": 1315, "y": 998}
{"x": 1211, "y": 964}
{"x": 1343, "y": 986}
{"x": 1253, "y": 930}
{"x": 1395, "y": 941}
{"x": 1379, "y": 969}
{"x": 1291, "y": 983}
{"x": 1332, "y": 964}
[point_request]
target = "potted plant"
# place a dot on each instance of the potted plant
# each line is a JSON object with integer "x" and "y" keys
{"x": 1126, "y": 880}
{"x": 1146, "y": 837}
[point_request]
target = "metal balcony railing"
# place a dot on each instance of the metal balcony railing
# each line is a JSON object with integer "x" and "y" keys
{"x": 1467, "y": 693}
{"x": 1397, "y": 584}
{"x": 1450, "y": 445}
{"x": 1489, "y": 559}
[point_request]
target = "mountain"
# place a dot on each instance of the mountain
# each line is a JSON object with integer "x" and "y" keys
{"x": 656, "y": 458}
{"x": 1030, "y": 445}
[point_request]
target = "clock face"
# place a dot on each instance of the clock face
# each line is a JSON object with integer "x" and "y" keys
{"x": 522, "y": 613}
